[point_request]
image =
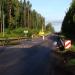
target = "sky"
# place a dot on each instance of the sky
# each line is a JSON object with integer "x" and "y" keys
{"x": 52, "y": 10}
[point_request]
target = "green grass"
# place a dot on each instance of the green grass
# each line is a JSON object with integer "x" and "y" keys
{"x": 73, "y": 48}
{"x": 9, "y": 35}
{"x": 19, "y": 32}
{"x": 71, "y": 62}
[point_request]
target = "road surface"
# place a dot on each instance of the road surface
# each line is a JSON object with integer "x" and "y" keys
{"x": 37, "y": 60}
{"x": 28, "y": 43}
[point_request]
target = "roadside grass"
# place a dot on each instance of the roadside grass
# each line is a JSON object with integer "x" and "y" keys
{"x": 70, "y": 62}
{"x": 18, "y": 33}
{"x": 11, "y": 35}
{"x": 70, "y": 49}
{"x": 73, "y": 48}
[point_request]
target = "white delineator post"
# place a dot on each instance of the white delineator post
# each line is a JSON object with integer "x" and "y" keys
{"x": 43, "y": 37}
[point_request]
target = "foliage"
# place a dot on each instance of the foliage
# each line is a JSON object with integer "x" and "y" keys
{"x": 19, "y": 16}
{"x": 49, "y": 27}
{"x": 71, "y": 62}
{"x": 68, "y": 25}
{"x": 73, "y": 48}
{"x": 19, "y": 31}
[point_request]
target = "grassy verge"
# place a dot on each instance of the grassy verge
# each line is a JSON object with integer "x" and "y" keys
{"x": 18, "y": 33}
{"x": 71, "y": 62}
{"x": 73, "y": 48}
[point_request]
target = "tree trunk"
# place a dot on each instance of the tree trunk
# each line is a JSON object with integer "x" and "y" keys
{"x": 9, "y": 13}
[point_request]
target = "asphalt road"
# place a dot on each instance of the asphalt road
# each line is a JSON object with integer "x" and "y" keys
{"x": 37, "y": 60}
{"x": 28, "y": 43}
{"x": 33, "y": 61}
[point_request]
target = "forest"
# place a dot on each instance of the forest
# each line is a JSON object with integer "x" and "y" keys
{"x": 17, "y": 16}
{"x": 68, "y": 25}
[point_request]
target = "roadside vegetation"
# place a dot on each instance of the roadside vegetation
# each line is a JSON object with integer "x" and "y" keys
{"x": 18, "y": 19}
{"x": 68, "y": 25}
{"x": 68, "y": 30}
{"x": 17, "y": 16}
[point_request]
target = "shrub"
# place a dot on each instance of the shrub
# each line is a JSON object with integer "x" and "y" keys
{"x": 18, "y": 31}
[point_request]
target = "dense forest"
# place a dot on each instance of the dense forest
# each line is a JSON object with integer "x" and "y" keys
{"x": 68, "y": 25}
{"x": 16, "y": 14}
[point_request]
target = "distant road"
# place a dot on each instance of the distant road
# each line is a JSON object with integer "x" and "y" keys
{"x": 29, "y": 43}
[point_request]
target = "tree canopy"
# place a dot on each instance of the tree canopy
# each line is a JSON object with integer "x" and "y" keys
{"x": 49, "y": 27}
{"x": 19, "y": 14}
{"x": 68, "y": 25}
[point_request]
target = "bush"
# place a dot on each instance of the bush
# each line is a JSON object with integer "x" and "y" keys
{"x": 29, "y": 34}
{"x": 71, "y": 62}
{"x": 8, "y": 31}
{"x": 19, "y": 31}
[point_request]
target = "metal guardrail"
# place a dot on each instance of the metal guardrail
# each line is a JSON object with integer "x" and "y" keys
{"x": 2, "y": 39}
{"x": 6, "y": 41}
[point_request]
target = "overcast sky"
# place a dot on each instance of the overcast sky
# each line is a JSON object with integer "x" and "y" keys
{"x": 51, "y": 9}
